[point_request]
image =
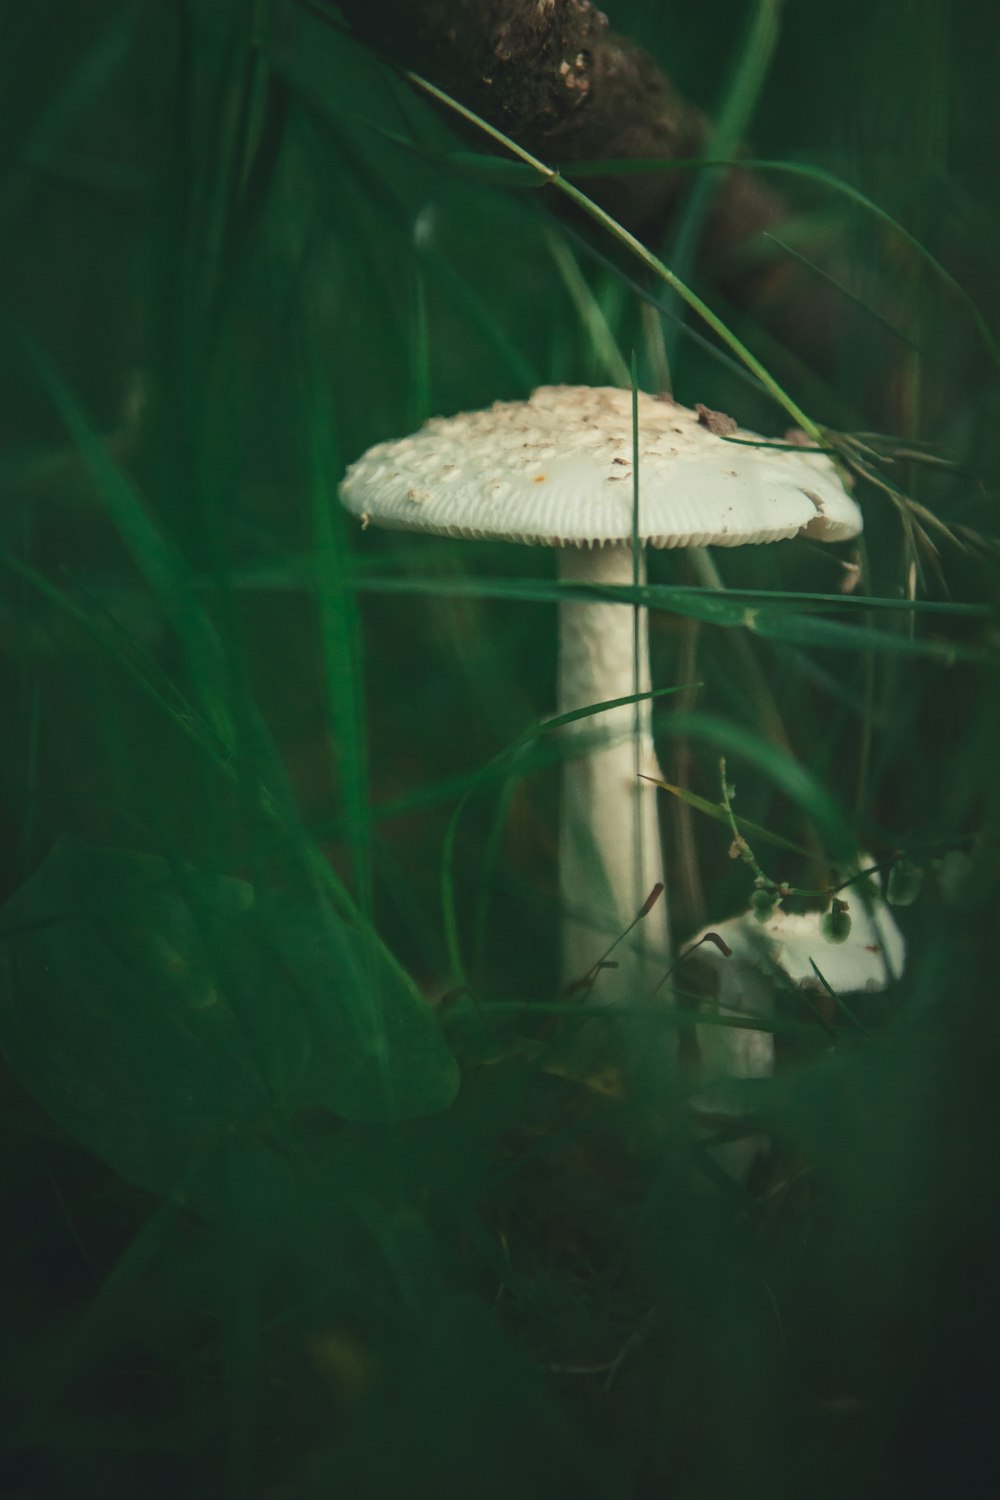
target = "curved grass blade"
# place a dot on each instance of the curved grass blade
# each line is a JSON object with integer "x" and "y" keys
{"x": 638, "y": 249}
{"x": 624, "y": 167}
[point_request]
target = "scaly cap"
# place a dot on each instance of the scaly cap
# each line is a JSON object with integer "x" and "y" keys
{"x": 556, "y": 470}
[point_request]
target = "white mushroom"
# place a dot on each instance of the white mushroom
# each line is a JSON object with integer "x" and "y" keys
{"x": 788, "y": 951}
{"x": 558, "y": 470}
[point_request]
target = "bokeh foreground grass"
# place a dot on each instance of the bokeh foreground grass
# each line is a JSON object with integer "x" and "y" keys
{"x": 276, "y": 1225}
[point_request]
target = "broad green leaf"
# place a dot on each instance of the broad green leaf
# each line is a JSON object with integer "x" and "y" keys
{"x": 173, "y": 1021}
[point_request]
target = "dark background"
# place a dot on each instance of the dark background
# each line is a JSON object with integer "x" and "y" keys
{"x": 238, "y": 249}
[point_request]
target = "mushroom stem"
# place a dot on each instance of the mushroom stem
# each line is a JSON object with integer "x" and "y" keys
{"x": 610, "y": 857}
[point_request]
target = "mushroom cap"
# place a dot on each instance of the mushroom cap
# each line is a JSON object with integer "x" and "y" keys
{"x": 557, "y": 470}
{"x": 788, "y": 946}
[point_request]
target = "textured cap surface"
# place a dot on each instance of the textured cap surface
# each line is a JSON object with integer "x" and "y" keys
{"x": 557, "y": 470}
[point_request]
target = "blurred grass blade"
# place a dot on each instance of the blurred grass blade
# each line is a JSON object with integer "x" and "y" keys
{"x": 156, "y": 559}
{"x": 816, "y": 804}
{"x": 631, "y": 166}
{"x": 589, "y": 311}
{"x": 732, "y": 120}
{"x": 755, "y": 611}
{"x": 600, "y": 216}
{"x": 63, "y": 107}
{"x": 498, "y": 768}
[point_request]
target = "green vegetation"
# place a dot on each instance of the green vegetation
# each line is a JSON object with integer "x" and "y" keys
{"x": 314, "y": 1185}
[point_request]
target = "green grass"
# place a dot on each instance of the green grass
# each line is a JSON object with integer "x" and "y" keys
{"x": 275, "y": 1226}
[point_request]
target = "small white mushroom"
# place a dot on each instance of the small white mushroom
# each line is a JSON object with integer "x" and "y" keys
{"x": 558, "y": 471}
{"x": 788, "y": 951}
